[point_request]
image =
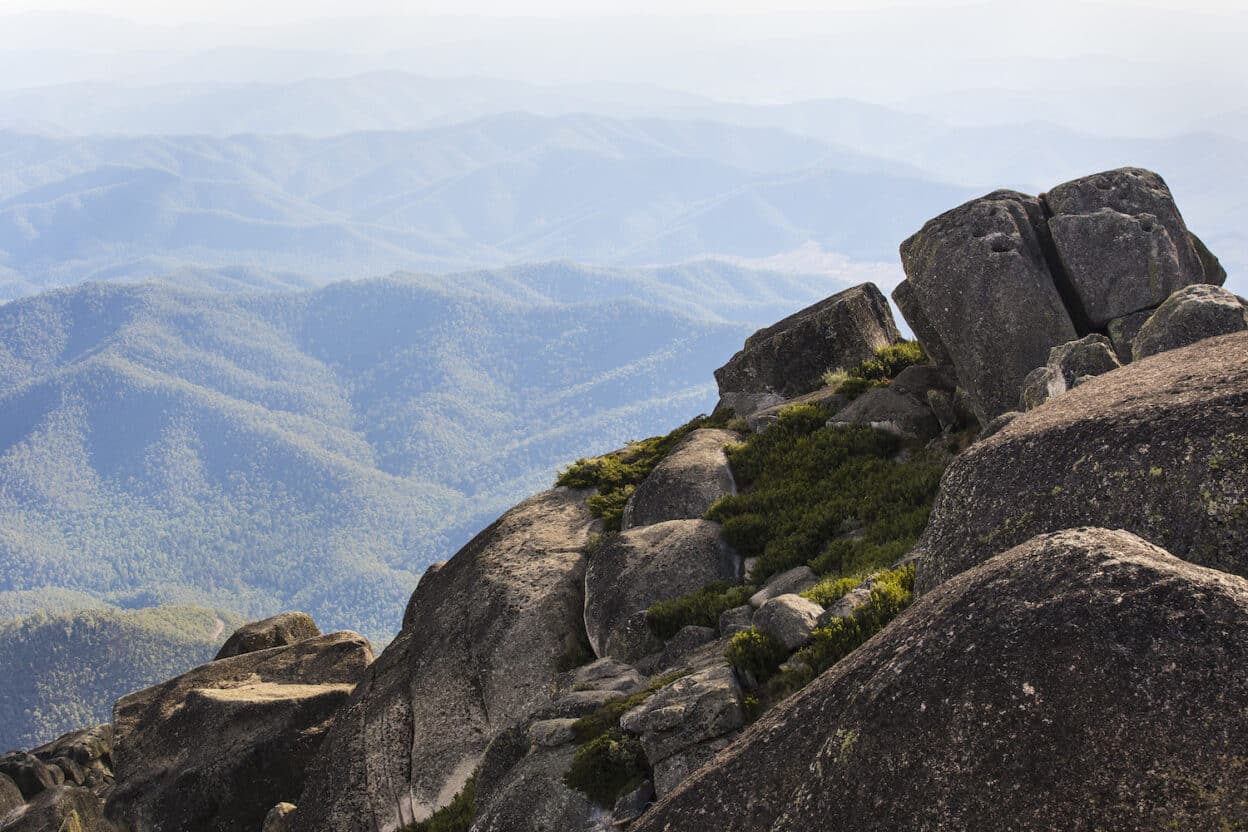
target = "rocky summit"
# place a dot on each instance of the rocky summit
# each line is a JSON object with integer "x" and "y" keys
{"x": 992, "y": 578}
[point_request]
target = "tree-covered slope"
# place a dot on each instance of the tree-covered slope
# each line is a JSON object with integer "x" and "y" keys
{"x": 317, "y": 450}
{"x": 64, "y": 670}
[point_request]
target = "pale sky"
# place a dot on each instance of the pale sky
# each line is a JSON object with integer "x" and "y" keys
{"x": 275, "y": 11}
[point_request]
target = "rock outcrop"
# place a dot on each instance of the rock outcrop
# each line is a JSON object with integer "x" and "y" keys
{"x": 217, "y": 747}
{"x": 685, "y": 484}
{"x": 991, "y": 286}
{"x": 59, "y": 809}
{"x": 10, "y": 796}
{"x": 1158, "y": 447}
{"x": 277, "y": 631}
{"x": 479, "y": 650}
{"x": 630, "y": 571}
{"x": 1068, "y": 366}
{"x": 979, "y": 271}
{"x": 789, "y": 358}
{"x": 1082, "y": 680}
{"x": 1190, "y": 315}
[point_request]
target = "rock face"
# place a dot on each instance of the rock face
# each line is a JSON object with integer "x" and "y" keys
{"x": 1121, "y": 243}
{"x": 31, "y": 774}
{"x": 685, "y": 484}
{"x": 10, "y": 795}
{"x": 787, "y": 359}
{"x": 1024, "y": 695}
{"x": 685, "y": 723}
{"x": 992, "y": 285}
{"x": 1158, "y": 447}
{"x": 479, "y": 651}
{"x": 630, "y": 571}
{"x": 278, "y": 631}
{"x": 59, "y": 809}
{"x": 532, "y": 797}
{"x": 977, "y": 272}
{"x": 1190, "y": 315}
{"x": 215, "y": 748}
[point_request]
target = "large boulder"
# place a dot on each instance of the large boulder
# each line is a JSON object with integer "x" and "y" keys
{"x": 10, "y": 796}
{"x": 59, "y": 809}
{"x": 789, "y": 619}
{"x": 630, "y": 571}
{"x": 980, "y": 276}
{"x": 788, "y": 358}
{"x": 215, "y": 748}
{"x": 277, "y": 631}
{"x": 1189, "y": 315}
{"x": 1084, "y": 680}
{"x": 1121, "y": 243}
{"x": 1157, "y": 447}
{"x": 480, "y": 649}
{"x": 685, "y": 484}
{"x": 31, "y": 774}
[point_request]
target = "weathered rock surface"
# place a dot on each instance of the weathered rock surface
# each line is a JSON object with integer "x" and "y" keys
{"x": 630, "y": 571}
{"x": 1121, "y": 242}
{"x": 1122, "y": 332}
{"x": 1189, "y": 315}
{"x": 684, "y": 722}
{"x": 788, "y": 358}
{"x": 531, "y": 797}
{"x": 686, "y": 641}
{"x": 912, "y": 310}
{"x": 278, "y": 819}
{"x": 791, "y": 581}
{"x": 1068, "y": 365}
{"x": 685, "y": 484}
{"x": 978, "y": 272}
{"x": 789, "y": 619}
{"x": 31, "y": 774}
{"x": 10, "y": 796}
{"x": 736, "y": 620}
{"x": 826, "y": 397}
{"x": 1158, "y": 447}
{"x": 277, "y": 631}
{"x": 216, "y": 747}
{"x": 59, "y": 809}
{"x": 479, "y": 651}
{"x": 1080, "y": 681}
{"x": 84, "y": 756}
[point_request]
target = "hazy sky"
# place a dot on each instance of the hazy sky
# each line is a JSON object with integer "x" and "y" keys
{"x": 269, "y": 11}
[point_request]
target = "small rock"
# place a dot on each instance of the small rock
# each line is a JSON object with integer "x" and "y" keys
{"x": 788, "y": 618}
{"x": 1189, "y": 315}
{"x": 608, "y": 675}
{"x": 633, "y": 805}
{"x": 888, "y": 410}
{"x": 847, "y": 603}
{"x": 31, "y": 774}
{"x": 1068, "y": 365}
{"x": 550, "y": 733}
{"x": 736, "y": 620}
{"x": 279, "y": 818}
{"x": 687, "y": 640}
{"x": 790, "y": 582}
{"x": 277, "y": 631}
{"x": 686, "y": 483}
{"x": 1122, "y": 332}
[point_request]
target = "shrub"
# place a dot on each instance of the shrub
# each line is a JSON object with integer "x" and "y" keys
{"x": 834, "y": 378}
{"x": 830, "y": 590}
{"x": 607, "y": 717}
{"x": 607, "y": 767}
{"x": 891, "y": 593}
{"x": 757, "y": 653}
{"x": 701, "y": 608}
{"x": 809, "y": 486}
{"x": 456, "y": 816}
{"x": 617, "y": 474}
{"x": 890, "y": 360}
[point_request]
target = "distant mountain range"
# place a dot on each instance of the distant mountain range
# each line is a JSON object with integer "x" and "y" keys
{"x": 318, "y": 450}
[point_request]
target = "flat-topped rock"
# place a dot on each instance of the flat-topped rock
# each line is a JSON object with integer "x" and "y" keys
{"x": 789, "y": 358}
{"x": 480, "y": 650}
{"x": 631, "y": 570}
{"x": 1082, "y": 680}
{"x": 216, "y": 748}
{"x": 1157, "y": 447}
{"x": 686, "y": 482}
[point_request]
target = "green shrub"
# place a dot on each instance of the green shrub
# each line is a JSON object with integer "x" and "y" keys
{"x": 807, "y": 487}
{"x": 456, "y": 816}
{"x": 701, "y": 608}
{"x": 617, "y": 474}
{"x": 757, "y": 653}
{"x": 607, "y": 767}
{"x": 891, "y": 593}
{"x": 890, "y": 361}
{"x": 835, "y": 377}
{"x": 740, "y": 424}
{"x": 830, "y": 590}
{"x": 855, "y": 387}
